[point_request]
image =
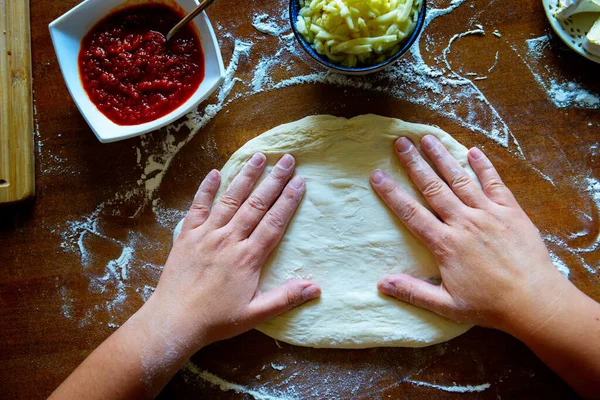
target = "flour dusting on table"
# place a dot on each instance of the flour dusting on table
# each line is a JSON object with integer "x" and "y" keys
{"x": 454, "y": 388}
{"x": 265, "y": 24}
{"x": 562, "y": 92}
{"x": 258, "y": 394}
{"x": 425, "y": 77}
{"x": 338, "y": 385}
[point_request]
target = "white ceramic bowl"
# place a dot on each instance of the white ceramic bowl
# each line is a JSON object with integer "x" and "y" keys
{"x": 572, "y": 30}
{"x": 67, "y": 33}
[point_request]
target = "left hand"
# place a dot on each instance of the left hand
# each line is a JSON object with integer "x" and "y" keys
{"x": 208, "y": 290}
{"x": 210, "y": 281}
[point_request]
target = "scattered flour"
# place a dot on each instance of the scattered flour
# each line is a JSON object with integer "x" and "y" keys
{"x": 592, "y": 187}
{"x": 478, "y": 31}
{"x": 567, "y": 94}
{"x": 560, "y": 265}
{"x": 578, "y": 234}
{"x": 561, "y": 92}
{"x": 67, "y": 307}
{"x": 575, "y": 252}
{"x": 112, "y": 279}
{"x": 166, "y": 217}
{"x": 122, "y": 263}
{"x": 537, "y": 46}
{"x": 544, "y": 176}
{"x": 258, "y": 394}
{"x": 339, "y": 385}
{"x": 458, "y": 36}
{"x": 264, "y": 24}
{"x": 277, "y": 367}
{"x": 455, "y": 388}
{"x": 146, "y": 292}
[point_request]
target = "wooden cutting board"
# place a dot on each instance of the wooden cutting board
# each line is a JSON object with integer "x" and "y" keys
{"x": 17, "y": 174}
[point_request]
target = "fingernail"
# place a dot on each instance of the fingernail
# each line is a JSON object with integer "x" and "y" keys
{"x": 387, "y": 287}
{"x": 476, "y": 154}
{"x": 258, "y": 159}
{"x": 297, "y": 182}
{"x": 403, "y": 145}
{"x": 378, "y": 177}
{"x": 212, "y": 175}
{"x": 428, "y": 142}
{"x": 311, "y": 292}
{"x": 286, "y": 162}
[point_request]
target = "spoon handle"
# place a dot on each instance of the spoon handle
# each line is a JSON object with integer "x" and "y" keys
{"x": 188, "y": 18}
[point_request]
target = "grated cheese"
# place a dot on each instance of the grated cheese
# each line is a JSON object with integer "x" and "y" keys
{"x": 352, "y": 32}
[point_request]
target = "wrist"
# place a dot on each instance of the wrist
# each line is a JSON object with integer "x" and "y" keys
{"x": 151, "y": 346}
{"x": 537, "y": 309}
{"x": 167, "y": 329}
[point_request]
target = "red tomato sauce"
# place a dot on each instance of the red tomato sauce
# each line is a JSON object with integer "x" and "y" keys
{"x": 131, "y": 73}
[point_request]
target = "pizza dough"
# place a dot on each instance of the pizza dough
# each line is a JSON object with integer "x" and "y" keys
{"x": 344, "y": 237}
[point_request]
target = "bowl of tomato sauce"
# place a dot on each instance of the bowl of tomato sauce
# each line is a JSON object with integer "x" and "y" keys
{"x": 123, "y": 75}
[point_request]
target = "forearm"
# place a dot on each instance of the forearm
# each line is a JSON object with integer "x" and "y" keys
{"x": 568, "y": 341}
{"x": 135, "y": 362}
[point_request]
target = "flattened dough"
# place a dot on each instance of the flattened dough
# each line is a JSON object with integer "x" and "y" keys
{"x": 344, "y": 237}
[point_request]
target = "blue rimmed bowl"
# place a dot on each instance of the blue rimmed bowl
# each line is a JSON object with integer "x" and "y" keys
{"x": 360, "y": 69}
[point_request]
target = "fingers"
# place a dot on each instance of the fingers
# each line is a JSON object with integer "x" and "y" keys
{"x": 292, "y": 294}
{"x": 419, "y": 220}
{"x": 200, "y": 209}
{"x": 259, "y": 202}
{"x": 456, "y": 177}
{"x": 238, "y": 191}
{"x": 492, "y": 184}
{"x": 269, "y": 231}
{"x": 434, "y": 189}
{"x": 418, "y": 293}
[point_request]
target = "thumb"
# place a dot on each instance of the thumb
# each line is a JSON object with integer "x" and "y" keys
{"x": 292, "y": 294}
{"x": 417, "y": 292}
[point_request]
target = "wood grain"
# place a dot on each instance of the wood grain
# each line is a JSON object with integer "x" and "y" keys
{"x": 17, "y": 174}
{"x": 51, "y": 316}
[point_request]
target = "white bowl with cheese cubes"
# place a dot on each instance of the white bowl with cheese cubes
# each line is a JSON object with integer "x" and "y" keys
{"x": 357, "y": 37}
{"x": 577, "y": 23}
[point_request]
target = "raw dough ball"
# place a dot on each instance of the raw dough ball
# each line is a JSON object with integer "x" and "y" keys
{"x": 343, "y": 236}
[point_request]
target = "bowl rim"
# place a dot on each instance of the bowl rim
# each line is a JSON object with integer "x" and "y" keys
{"x": 105, "y": 129}
{"x": 371, "y": 68}
{"x": 563, "y": 34}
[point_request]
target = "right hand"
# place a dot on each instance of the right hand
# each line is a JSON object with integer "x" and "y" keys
{"x": 495, "y": 269}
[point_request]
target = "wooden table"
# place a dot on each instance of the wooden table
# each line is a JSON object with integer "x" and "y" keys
{"x": 97, "y": 214}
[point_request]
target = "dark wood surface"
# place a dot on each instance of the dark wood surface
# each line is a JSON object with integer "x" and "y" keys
{"x": 54, "y": 310}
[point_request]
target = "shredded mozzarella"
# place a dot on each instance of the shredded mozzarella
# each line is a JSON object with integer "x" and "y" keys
{"x": 352, "y": 32}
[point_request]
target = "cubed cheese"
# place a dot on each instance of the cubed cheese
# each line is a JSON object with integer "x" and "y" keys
{"x": 571, "y": 7}
{"x": 591, "y": 43}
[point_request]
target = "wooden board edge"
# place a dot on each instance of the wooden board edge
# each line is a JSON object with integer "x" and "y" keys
{"x": 17, "y": 98}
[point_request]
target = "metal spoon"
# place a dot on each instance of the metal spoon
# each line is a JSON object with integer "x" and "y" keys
{"x": 188, "y": 18}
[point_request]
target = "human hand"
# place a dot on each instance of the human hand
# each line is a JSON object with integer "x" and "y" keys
{"x": 208, "y": 290}
{"x": 495, "y": 269}
{"x": 210, "y": 280}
